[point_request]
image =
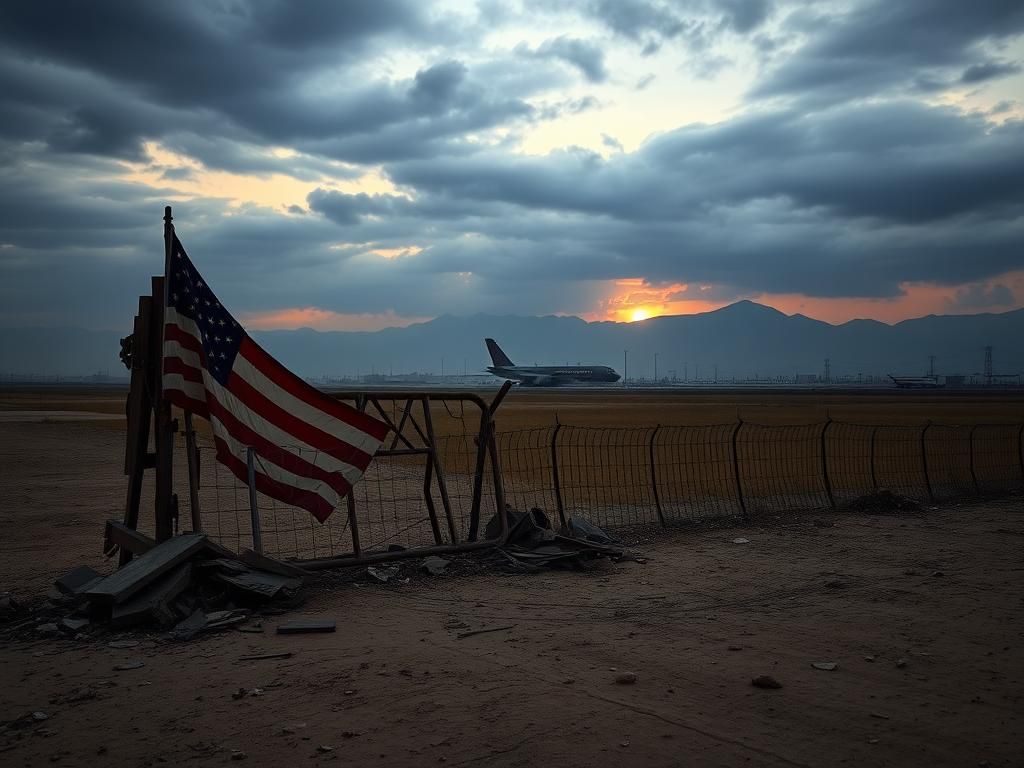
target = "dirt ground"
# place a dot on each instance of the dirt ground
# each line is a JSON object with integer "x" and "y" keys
{"x": 921, "y": 613}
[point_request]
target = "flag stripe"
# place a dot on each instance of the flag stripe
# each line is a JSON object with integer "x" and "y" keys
{"x": 265, "y": 397}
{"x": 310, "y": 447}
{"x": 300, "y": 409}
{"x": 331, "y": 452}
{"x": 300, "y": 431}
{"x": 312, "y": 502}
{"x": 298, "y": 472}
{"x": 302, "y": 390}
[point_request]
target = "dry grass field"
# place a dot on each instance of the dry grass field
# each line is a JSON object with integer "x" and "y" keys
{"x": 921, "y": 613}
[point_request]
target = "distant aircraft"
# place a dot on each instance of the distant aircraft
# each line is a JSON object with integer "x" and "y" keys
{"x": 546, "y": 375}
{"x": 916, "y": 382}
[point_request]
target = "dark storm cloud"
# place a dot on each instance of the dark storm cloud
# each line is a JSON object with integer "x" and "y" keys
{"x": 882, "y": 47}
{"x": 585, "y": 56}
{"x": 815, "y": 194}
{"x": 900, "y": 162}
{"x": 695, "y": 22}
{"x": 104, "y": 78}
{"x": 989, "y": 70}
{"x": 979, "y": 296}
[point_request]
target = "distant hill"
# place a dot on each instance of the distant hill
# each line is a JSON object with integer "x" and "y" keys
{"x": 742, "y": 339}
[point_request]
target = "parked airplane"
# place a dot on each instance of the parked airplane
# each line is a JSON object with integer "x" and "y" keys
{"x": 546, "y": 375}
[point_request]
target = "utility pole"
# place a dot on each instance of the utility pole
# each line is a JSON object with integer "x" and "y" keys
{"x": 625, "y": 367}
{"x": 686, "y": 373}
{"x": 931, "y": 366}
{"x": 716, "y": 373}
{"x": 988, "y": 366}
{"x": 828, "y": 371}
{"x": 655, "y": 367}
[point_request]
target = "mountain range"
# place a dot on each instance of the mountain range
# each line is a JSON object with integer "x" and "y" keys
{"x": 743, "y": 340}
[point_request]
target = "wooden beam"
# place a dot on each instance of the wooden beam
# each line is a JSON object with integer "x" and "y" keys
{"x": 147, "y": 568}
{"x": 119, "y": 536}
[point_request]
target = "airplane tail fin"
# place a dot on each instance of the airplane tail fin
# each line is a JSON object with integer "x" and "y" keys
{"x": 499, "y": 358}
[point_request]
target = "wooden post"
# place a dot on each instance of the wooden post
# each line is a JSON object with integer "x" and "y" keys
{"x": 139, "y": 413}
{"x": 164, "y": 502}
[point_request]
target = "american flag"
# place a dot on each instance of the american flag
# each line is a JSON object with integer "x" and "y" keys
{"x": 311, "y": 448}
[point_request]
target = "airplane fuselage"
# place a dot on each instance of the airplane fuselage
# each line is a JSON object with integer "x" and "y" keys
{"x": 556, "y": 375}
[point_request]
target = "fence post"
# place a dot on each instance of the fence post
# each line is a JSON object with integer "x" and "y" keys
{"x": 554, "y": 472}
{"x": 654, "y": 478}
{"x": 824, "y": 464}
{"x": 736, "y": 469}
{"x": 970, "y": 443}
{"x": 874, "y": 478}
{"x": 254, "y": 512}
{"x": 924, "y": 461}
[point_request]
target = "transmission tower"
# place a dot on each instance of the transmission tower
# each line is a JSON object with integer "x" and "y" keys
{"x": 988, "y": 366}
{"x": 828, "y": 371}
{"x": 931, "y": 366}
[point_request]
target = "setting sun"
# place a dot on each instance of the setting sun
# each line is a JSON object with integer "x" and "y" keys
{"x": 639, "y": 314}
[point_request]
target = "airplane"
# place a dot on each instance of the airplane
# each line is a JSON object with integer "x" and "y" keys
{"x": 546, "y": 375}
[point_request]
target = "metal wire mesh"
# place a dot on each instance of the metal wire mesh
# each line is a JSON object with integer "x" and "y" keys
{"x": 618, "y": 477}
{"x": 781, "y": 467}
{"x": 997, "y": 454}
{"x": 694, "y": 472}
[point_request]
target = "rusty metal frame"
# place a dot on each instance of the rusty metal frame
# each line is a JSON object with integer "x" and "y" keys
{"x": 423, "y": 442}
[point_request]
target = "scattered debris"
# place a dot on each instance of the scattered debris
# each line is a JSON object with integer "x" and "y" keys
{"x": 463, "y": 635}
{"x": 765, "y": 681}
{"x": 324, "y": 748}
{"x": 625, "y": 678}
{"x": 237, "y": 754}
{"x": 826, "y": 666}
{"x": 883, "y": 502}
{"x": 73, "y": 625}
{"x": 383, "y": 574}
{"x": 306, "y": 626}
{"x": 741, "y": 540}
{"x": 128, "y": 665}
{"x": 262, "y": 656}
{"x": 879, "y": 715}
{"x": 188, "y": 583}
{"x": 735, "y": 647}
{"x": 434, "y": 565}
{"x": 532, "y": 543}
{"x": 901, "y": 663}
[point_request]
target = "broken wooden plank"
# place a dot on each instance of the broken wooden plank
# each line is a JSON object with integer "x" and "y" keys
{"x": 463, "y": 635}
{"x": 263, "y": 563}
{"x": 262, "y": 656}
{"x": 147, "y": 568}
{"x": 77, "y": 581}
{"x": 154, "y": 602}
{"x": 128, "y": 539}
{"x": 259, "y": 583}
{"x": 305, "y": 626}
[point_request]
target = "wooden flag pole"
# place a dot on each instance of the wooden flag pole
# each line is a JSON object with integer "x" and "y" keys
{"x": 165, "y": 506}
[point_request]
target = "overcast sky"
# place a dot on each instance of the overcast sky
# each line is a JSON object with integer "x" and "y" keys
{"x": 355, "y": 165}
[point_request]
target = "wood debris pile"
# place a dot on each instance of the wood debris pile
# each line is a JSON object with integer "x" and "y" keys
{"x": 186, "y": 585}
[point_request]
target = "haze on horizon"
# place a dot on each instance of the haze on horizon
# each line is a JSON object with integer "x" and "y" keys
{"x": 355, "y": 166}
